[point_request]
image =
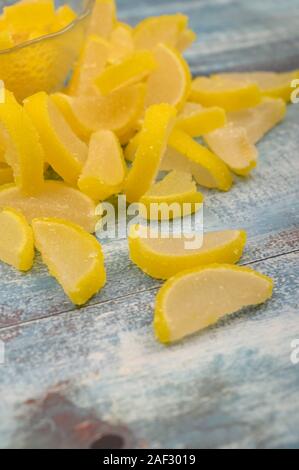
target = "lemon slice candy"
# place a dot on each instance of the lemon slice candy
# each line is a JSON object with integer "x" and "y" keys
{"x": 16, "y": 240}
{"x": 104, "y": 170}
{"x": 197, "y": 298}
{"x": 158, "y": 123}
{"x": 170, "y": 82}
{"x": 260, "y": 119}
{"x": 231, "y": 143}
{"x": 55, "y": 200}
{"x": 174, "y": 196}
{"x": 214, "y": 173}
{"x": 159, "y": 29}
{"x": 23, "y": 151}
{"x": 117, "y": 111}
{"x": 103, "y": 18}
{"x": 132, "y": 69}
{"x": 228, "y": 93}
{"x": 197, "y": 120}
{"x": 162, "y": 257}
{"x": 73, "y": 257}
{"x": 64, "y": 151}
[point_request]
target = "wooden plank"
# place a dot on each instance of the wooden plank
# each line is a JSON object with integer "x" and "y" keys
{"x": 266, "y": 205}
{"x": 231, "y": 386}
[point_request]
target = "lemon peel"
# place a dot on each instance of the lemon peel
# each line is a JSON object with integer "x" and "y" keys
{"x": 73, "y": 257}
{"x": 162, "y": 257}
{"x": 210, "y": 293}
{"x": 57, "y": 199}
{"x": 158, "y": 123}
{"x": 64, "y": 151}
{"x": 104, "y": 171}
{"x": 16, "y": 240}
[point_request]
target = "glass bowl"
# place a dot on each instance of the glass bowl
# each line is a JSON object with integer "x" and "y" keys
{"x": 44, "y": 63}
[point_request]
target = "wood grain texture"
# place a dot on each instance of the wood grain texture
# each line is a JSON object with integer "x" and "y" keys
{"x": 231, "y": 386}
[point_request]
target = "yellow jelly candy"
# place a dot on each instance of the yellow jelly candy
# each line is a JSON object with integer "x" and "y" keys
{"x": 6, "y": 174}
{"x": 104, "y": 170}
{"x": 55, "y": 200}
{"x": 118, "y": 112}
{"x": 24, "y": 16}
{"x": 92, "y": 62}
{"x": 170, "y": 82}
{"x": 64, "y": 151}
{"x": 64, "y": 16}
{"x": 214, "y": 173}
{"x": 185, "y": 39}
{"x": 199, "y": 297}
{"x": 6, "y": 40}
{"x": 159, "y": 29}
{"x": 272, "y": 84}
{"x": 197, "y": 120}
{"x": 16, "y": 240}
{"x": 103, "y": 18}
{"x": 232, "y": 145}
{"x": 132, "y": 69}
{"x": 162, "y": 256}
{"x": 228, "y": 93}
{"x": 23, "y": 151}
{"x": 158, "y": 123}
{"x": 172, "y": 197}
{"x": 73, "y": 257}
{"x": 260, "y": 119}
{"x": 121, "y": 43}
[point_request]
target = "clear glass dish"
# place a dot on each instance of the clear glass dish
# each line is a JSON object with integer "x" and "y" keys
{"x": 44, "y": 63}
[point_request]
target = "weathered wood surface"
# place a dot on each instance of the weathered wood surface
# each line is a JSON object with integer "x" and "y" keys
{"x": 72, "y": 374}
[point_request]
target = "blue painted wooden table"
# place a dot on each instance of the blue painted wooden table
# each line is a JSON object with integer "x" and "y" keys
{"x": 72, "y": 375}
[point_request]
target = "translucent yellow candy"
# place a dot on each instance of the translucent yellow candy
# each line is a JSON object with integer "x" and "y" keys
{"x": 158, "y": 123}
{"x": 103, "y": 18}
{"x": 232, "y": 144}
{"x": 132, "y": 69}
{"x": 173, "y": 197}
{"x": 56, "y": 200}
{"x": 228, "y": 93}
{"x": 261, "y": 119}
{"x": 16, "y": 240}
{"x": 164, "y": 256}
{"x": 185, "y": 39}
{"x": 197, "y": 298}
{"x": 73, "y": 257}
{"x": 272, "y": 84}
{"x": 170, "y": 82}
{"x": 121, "y": 43}
{"x": 64, "y": 151}
{"x": 24, "y": 16}
{"x": 104, "y": 170}
{"x": 214, "y": 173}
{"x": 6, "y": 174}
{"x": 92, "y": 62}
{"x": 23, "y": 151}
{"x": 64, "y": 16}
{"x": 6, "y": 40}
{"x": 159, "y": 29}
{"x": 197, "y": 120}
{"x": 118, "y": 112}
